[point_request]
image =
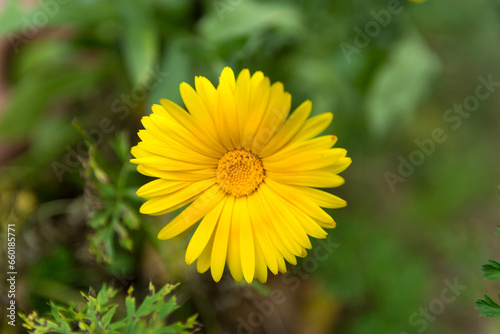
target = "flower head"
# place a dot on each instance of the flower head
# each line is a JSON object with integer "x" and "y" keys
{"x": 248, "y": 170}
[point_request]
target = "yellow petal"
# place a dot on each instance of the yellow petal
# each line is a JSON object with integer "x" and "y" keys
{"x": 144, "y": 149}
{"x": 162, "y": 204}
{"x": 340, "y": 166}
{"x": 202, "y": 129}
{"x": 227, "y": 77}
{"x": 184, "y": 133}
{"x": 148, "y": 137}
{"x": 293, "y": 227}
{"x": 160, "y": 187}
{"x": 262, "y": 238}
{"x": 282, "y": 245}
{"x": 226, "y": 117}
{"x": 308, "y": 179}
{"x": 293, "y": 124}
{"x": 307, "y": 147}
{"x": 219, "y": 251}
{"x": 302, "y": 202}
{"x": 282, "y": 264}
{"x": 193, "y": 213}
{"x": 207, "y": 92}
{"x": 188, "y": 176}
{"x": 165, "y": 129}
{"x": 233, "y": 250}
{"x": 203, "y": 262}
{"x": 197, "y": 109}
{"x": 293, "y": 235}
{"x": 246, "y": 239}
{"x": 306, "y": 162}
{"x": 314, "y": 126}
{"x": 322, "y": 198}
{"x": 274, "y": 116}
{"x": 260, "y": 264}
{"x": 259, "y": 98}
{"x": 203, "y": 233}
{"x": 308, "y": 224}
{"x": 162, "y": 163}
{"x": 242, "y": 101}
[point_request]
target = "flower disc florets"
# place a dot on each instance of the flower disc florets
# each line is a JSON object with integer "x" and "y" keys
{"x": 239, "y": 172}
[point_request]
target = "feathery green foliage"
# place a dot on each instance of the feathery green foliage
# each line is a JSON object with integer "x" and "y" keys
{"x": 110, "y": 202}
{"x": 96, "y": 316}
{"x": 488, "y": 306}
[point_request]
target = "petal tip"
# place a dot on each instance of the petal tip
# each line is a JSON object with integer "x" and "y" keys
{"x": 216, "y": 276}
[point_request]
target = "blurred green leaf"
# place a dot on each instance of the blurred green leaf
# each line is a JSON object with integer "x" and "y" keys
{"x": 401, "y": 84}
{"x": 121, "y": 145}
{"x": 176, "y": 67}
{"x": 235, "y": 19}
{"x": 33, "y": 96}
{"x": 17, "y": 22}
{"x": 11, "y": 17}
{"x": 140, "y": 40}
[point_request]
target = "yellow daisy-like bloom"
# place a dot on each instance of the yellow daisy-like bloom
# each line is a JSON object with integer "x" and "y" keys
{"x": 249, "y": 168}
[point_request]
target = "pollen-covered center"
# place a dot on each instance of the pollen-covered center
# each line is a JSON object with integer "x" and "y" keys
{"x": 239, "y": 172}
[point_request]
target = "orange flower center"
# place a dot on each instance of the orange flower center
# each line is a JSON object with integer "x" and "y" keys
{"x": 239, "y": 172}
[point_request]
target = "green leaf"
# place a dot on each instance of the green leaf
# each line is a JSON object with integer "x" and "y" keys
{"x": 175, "y": 69}
{"x": 16, "y": 21}
{"x": 106, "y": 319}
{"x": 140, "y": 40}
{"x": 152, "y": 312}
{"x": 492, "y": 270}
{"x": 121, "y": 145}
{"x": 236, "y": 19}
{"x": 33, "y": 95}
{"x": 401, "y": 84}
{"x": 96, "y": 315}
{"x": 489, "y": 307}
{"x": 111, "y": 215}
{"x": 10, "y": 17}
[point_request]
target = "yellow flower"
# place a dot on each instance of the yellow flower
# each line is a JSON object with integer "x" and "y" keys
{"x": 249, "y": 168}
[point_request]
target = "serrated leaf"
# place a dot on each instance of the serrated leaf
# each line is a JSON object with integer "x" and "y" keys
{"x": 96, "y": 316}
{"x": 489, "y": 307}
{"x": 492, "y": 270}
{"x": 106, "y": 319}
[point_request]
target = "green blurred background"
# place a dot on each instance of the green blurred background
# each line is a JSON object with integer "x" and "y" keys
{"x": 390, "y": 71}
